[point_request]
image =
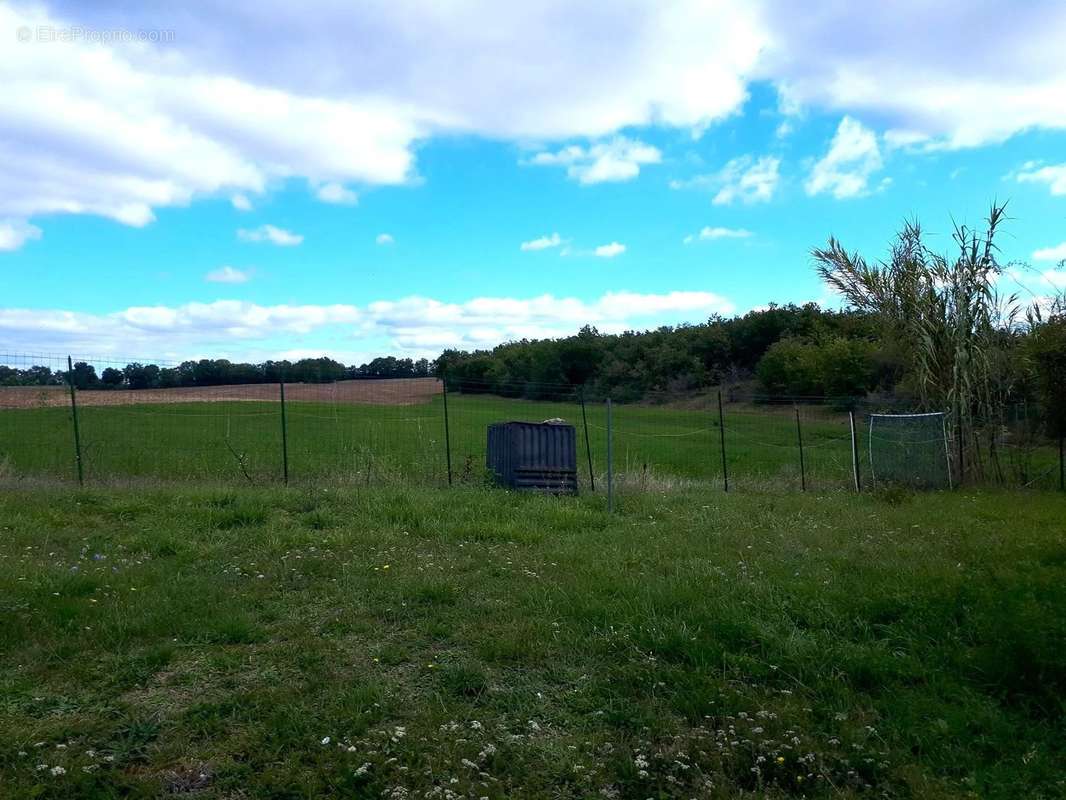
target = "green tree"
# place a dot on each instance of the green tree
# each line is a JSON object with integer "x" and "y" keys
{"x": 790, "y": 368}
{"x": 141, "y": 376}
{"x": 84, "y": 376}
{"x": 112, "y": 378}
{"x": 1046, "y": 354}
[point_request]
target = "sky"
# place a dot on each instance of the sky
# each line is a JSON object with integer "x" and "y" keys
{"x": 260, "y": 179}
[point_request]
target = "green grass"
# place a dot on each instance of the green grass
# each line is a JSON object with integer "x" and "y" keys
{"x": 239, "y": 443}
{"x": 166, "y": 641}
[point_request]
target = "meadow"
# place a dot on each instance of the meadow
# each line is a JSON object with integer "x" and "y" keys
{"x": 410, "y": 643}
{"x": 235, "y": 442}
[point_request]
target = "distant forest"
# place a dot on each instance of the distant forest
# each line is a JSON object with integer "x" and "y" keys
{"x": 215, "y": 372}
{"x": 793, "y": 350}
{"x": 796, "y": 350}
{"x": 785, "y": 351}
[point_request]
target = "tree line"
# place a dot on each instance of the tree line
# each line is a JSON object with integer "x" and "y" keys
{"x": 781, "y": 352}
{"x": 792, "y": 349}
{"x": 215, "y": 372}
{"x": 684, "y": 358}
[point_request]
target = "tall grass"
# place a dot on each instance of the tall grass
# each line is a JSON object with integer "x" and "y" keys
{"x": 956, "y": 327}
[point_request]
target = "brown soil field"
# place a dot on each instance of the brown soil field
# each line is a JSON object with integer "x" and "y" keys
{"x": 393, "y": 392}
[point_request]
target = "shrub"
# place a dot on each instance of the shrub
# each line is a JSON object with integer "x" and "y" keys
{"x": 1046, "y": 351}
{"x": 837, "y": 367}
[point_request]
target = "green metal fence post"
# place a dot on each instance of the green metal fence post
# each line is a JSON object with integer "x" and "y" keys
{"x": 1062, "y": 464}
{"x": 284, "y": 436}
{"x": 721, "y": 440}
{"x": 588, "y": 447}
{"x": 799, "y": 437}
{"x": 854, "y": 452}
{"x": 74, "y": 416}
{"x": 447, "y": 431}
{"x": 610, "y": 461}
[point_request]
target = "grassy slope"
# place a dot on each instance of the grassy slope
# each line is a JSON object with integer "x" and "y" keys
{"x": 508, "y": 646}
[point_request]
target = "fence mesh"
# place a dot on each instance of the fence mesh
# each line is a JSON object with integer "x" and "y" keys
{"x": 910, "y": 449}
{"x": 418, "y": 431}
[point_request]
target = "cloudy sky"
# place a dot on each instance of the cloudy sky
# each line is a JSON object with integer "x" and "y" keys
{"x": 262, "y": 179}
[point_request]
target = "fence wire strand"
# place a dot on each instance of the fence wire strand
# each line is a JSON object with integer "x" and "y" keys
{"x": 397, "y": 432}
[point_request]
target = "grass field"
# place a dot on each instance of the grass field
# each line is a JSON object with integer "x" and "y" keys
{"x": 408, "y": 643}
{"x": 239, "y": 442}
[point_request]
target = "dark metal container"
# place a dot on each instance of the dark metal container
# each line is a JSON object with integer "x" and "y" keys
{"x": 539, "y": 457}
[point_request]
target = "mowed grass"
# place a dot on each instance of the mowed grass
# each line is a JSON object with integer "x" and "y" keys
{"x": 404, "y": 643}
{"x": 240, "y": 443}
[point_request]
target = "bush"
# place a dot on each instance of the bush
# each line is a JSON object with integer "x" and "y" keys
{"x": 1046, "y": 351}
{"x": 838, "y": 368}
{"x": 790, "y": 367}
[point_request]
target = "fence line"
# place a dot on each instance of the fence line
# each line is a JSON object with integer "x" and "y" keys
{"x": 428, "y": 432}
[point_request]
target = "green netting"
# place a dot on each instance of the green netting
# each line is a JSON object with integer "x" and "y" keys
{"x": 909, "y": 449}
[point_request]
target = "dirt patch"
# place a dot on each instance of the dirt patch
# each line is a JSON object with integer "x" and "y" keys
{"x": 188, "y": 779}
{"x": 392, "y": 392}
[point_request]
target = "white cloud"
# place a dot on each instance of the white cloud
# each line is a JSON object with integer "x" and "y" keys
{"x": 1056, "y": 277}
{"x": 846, "y": 168}
{"x": 150, "y": 126}
{"x": 384, "y": 238}
{"x": 755, "y": 184}
{"x": 145, "y": 127}
{"x": 911, "y": 141}
{"x": 542, "y": 243}
{"x": 1053, "y": 175}
{"x": 336, "y": 193}
{"x": 610, "y": 250}
{"x": 1056, "y": 253}
{"x": 706, "y": 233}
{"x": 270, "y": 233}
{"x": 619, "y": 159}
{"x": 241, "y": 202}
{"x": 227, "y": 274}
{"x": 908, "y": 63}
{"x": 142, "y": 129}
{"x": 1043, "y": 290}
{"x": 16, "y": 232}
{"x": 744, "y": 178}
{"x": 544, "y": 71}
{"x": 411, "y": 326}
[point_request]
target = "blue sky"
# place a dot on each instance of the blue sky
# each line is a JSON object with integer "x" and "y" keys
{"x": 180, "y": 199}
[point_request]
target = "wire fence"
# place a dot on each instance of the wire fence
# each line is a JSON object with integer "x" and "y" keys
{"x": 427, "y": 432}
